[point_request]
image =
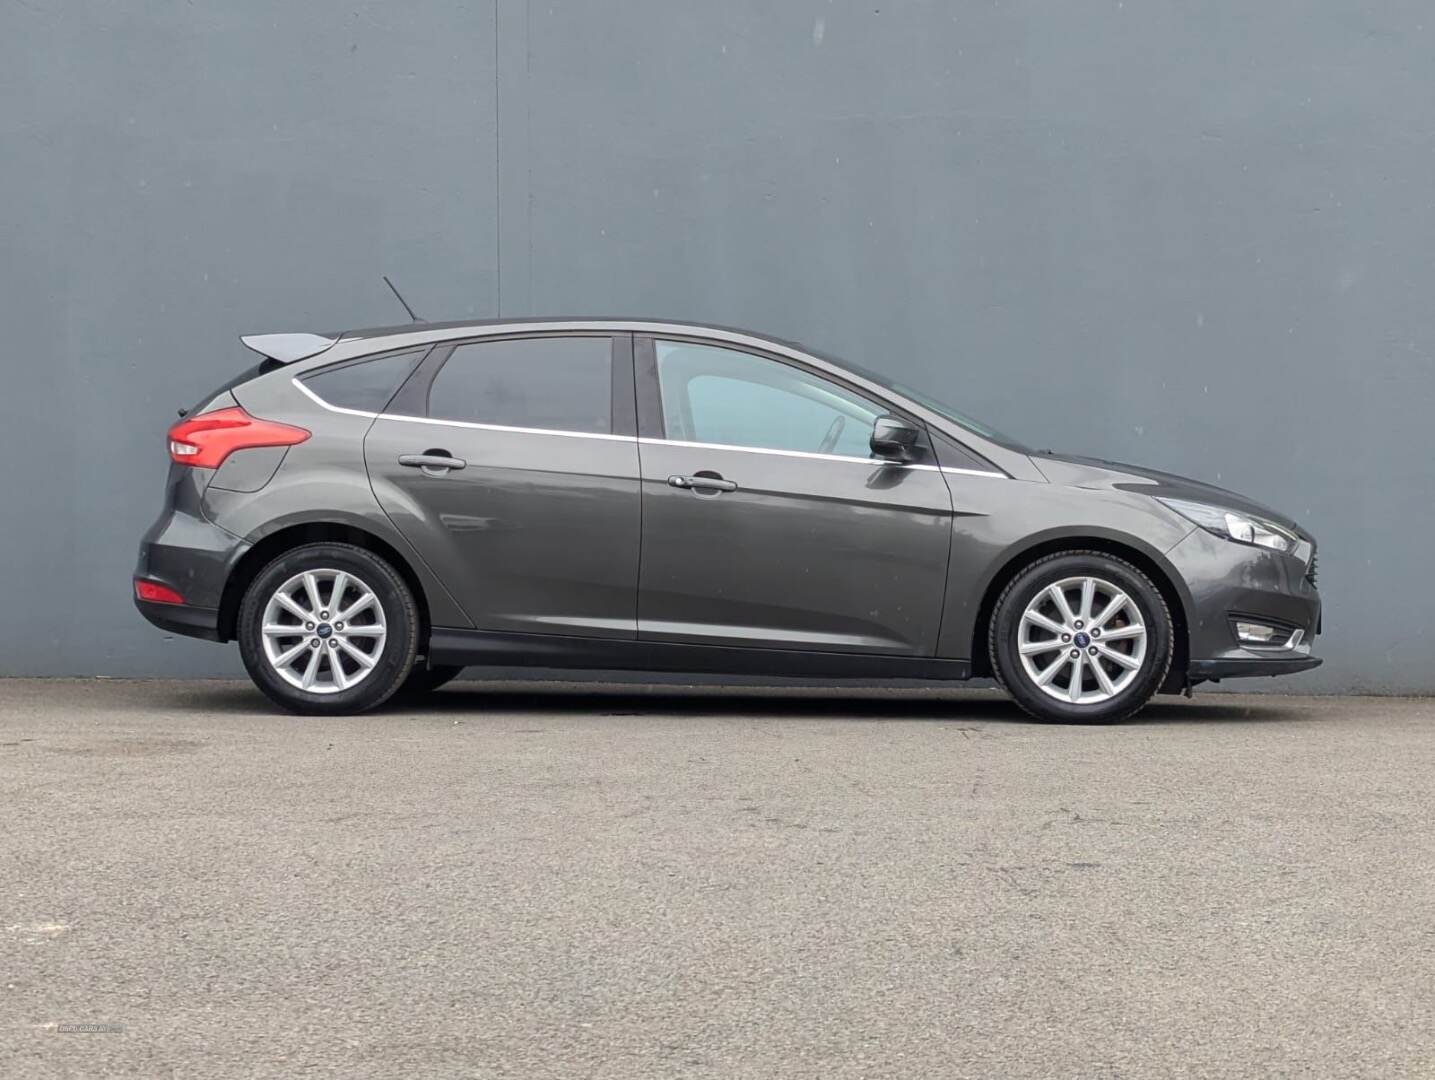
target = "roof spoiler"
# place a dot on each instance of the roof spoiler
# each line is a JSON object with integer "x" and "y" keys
{"x": 287, "y": 348}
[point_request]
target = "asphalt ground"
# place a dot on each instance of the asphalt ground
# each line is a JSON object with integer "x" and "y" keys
{"x": 577, "y": 881}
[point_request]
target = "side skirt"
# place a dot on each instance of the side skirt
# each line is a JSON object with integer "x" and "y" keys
{"x": 464, "y": 647}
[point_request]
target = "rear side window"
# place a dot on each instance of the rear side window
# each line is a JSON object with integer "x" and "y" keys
{"x": 367, "y": 385}
{"x": 552, "y": 383}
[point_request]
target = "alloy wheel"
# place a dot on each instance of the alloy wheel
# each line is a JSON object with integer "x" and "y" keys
{"x": 1082, "y": 640}
{"x": 323, "y": 631}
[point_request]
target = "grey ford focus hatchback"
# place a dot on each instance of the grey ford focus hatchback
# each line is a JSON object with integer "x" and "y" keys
{"x": 368, "y": 512}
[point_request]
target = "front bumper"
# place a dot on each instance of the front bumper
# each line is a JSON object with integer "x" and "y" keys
{"x": 1226, "y": 581}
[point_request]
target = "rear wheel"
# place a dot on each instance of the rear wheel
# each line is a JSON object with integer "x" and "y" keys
{"x": 328, "y": 628}
{"x": 1081, "y": 637}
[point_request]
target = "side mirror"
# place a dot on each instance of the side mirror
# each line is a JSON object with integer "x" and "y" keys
{"x": 893, "y": 438}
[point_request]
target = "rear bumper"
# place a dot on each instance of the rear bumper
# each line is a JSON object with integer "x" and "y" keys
{"x": 192, "y": 556}
{"x": 193, "y": 622}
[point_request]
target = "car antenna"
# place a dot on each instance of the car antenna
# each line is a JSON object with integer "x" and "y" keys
{"x": 400, "y": 299}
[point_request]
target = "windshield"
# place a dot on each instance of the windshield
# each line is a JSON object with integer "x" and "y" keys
{"x": 941, "y": 408}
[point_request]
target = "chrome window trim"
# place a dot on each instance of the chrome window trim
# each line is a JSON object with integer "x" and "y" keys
{"x": 317, "y": 400}
{"x": 951, "y": 470}
{"x": 367, "y": 341}
{"x": 651, "y": 441}
{"x": 605, "y": 436}
{"x": 458, "y": 423}
{"x": 642, "y": 440}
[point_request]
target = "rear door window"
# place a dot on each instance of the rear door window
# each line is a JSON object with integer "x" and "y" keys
{"x": 547, "y": 383}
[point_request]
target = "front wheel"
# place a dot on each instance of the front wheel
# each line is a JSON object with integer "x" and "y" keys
{"x": 328, "y": 628}
{"x": 1081, "y": 637}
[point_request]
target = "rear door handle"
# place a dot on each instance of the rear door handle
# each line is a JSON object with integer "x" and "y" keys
{"x": 433, "y": 462}
{"x": 702, "y": 483}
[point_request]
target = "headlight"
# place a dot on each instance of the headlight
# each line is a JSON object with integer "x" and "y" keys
{"x": 1234, "y": 525}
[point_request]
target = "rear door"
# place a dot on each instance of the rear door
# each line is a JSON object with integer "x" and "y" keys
{"x": 767, "y": 522}
{"x": 511, "y": 465}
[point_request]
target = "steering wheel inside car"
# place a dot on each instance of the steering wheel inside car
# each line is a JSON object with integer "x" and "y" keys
{"x": 833, "y": 434}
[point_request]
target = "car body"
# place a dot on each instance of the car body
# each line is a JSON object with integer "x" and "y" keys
{"x": 650, "y": 495}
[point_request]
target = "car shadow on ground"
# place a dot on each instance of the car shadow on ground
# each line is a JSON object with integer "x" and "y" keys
{"x": 822, "y": 703}
{"x": 819, "y": 703}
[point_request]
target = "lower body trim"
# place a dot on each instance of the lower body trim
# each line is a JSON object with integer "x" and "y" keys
{"x": 1215, "y": 670}
{"x": 193, "y": 622}
{"x": 462, "y": 647}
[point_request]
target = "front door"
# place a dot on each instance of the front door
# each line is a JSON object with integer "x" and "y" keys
{"x": 513, "y": 470}
{"x": 766, "y": 520}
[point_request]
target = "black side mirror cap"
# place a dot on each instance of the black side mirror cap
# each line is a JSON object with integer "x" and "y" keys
{"x": 893, "y": 438}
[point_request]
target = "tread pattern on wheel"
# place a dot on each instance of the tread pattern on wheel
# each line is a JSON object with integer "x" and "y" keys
{"x": 400, "y": 588}
{"x": 1020, "y": 575}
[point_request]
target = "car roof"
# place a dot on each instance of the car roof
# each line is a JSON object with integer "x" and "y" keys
{"x": 459, "y": 327}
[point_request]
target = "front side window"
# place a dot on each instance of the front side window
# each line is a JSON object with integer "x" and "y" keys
{"x": 552, "y": 383}
{"x": 716, "y": 395}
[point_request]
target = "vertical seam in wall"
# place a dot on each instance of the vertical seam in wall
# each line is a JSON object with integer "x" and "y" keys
{"x": 513, "y": 169}
{"x": 528, "y": 148}
{"x": 497, "y": 176}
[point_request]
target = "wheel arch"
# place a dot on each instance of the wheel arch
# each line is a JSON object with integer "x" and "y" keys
{"x": 1145, "y": 558}
{"x": 270, "y": 547}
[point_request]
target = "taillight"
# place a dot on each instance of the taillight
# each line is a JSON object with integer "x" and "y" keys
{"x": 156, "y": 593}
{"x": 205, "y": 441}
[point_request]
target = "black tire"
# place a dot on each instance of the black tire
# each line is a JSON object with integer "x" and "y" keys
{"x": 396, "y": 654}
{"x": 1003, "y": 638}
{"x": 425, "y": 679}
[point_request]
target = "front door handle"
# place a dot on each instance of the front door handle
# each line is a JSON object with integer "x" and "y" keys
{"x": 702, "y": 482}
{"x": 432, "y": 462}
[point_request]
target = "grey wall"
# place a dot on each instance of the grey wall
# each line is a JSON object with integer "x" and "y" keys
{"x": 1197, "y": 236}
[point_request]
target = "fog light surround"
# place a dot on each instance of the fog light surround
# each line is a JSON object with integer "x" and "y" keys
{"x": 1261, "y": 635}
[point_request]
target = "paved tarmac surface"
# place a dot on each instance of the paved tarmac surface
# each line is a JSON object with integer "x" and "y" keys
{"x": 577, "y": 882}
